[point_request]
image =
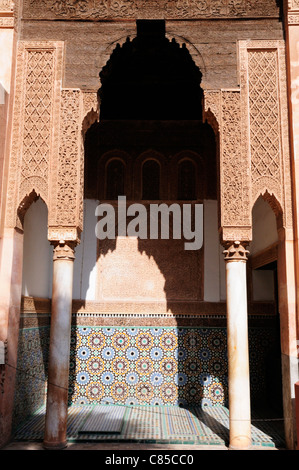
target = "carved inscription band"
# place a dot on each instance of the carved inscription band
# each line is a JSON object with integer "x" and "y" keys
{"x": 167, "y": 9}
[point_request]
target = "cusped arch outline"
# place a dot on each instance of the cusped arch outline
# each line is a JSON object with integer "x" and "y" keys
{"x": 106, "y": 158}
{"x": 199, "y": 163}
{"x": 25, "y": 204}
{"x": 275, "y": 205}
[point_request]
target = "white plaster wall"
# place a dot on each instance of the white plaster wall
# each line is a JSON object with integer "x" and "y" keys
{"x": 6, "y": 43}
{"x": 213, "y": 275}
{"x": 85, "y": 278}
{"x": 85, "y": 267}
{"x": 264, "y": 229}
{"x": 264, "y": 234}
{"x": 38, "y": 253}
{"x": 37, "y": 264}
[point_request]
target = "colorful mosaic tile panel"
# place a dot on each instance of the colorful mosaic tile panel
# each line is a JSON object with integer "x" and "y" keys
{"x": 157, "y": 366}
{"x": 30, "y": 390}
{"x": 104, "y": 419}
{"x": 139, "y": 366}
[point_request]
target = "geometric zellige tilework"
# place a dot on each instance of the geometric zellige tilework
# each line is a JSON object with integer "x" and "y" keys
{"x": 140, "y": 366}
{"x": 143, "y": 365}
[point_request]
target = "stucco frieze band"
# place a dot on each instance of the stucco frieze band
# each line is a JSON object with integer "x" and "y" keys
{"x": 165, "y": 9}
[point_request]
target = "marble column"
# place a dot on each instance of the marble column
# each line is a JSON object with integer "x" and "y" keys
{"x": 59, "y": 354}
{"x": 237, "y": 342}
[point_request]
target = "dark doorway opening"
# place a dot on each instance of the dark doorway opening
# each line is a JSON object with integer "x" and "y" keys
{"x": 267, "y": 403}
{"x": 150, "y": 78}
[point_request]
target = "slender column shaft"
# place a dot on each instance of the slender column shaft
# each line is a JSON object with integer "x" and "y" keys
{"x": 238, "y": 356}
{"x": 59, "y": 354}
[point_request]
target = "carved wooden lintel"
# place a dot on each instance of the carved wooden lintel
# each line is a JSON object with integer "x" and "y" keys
{"x": 6, "y": 6}
{"x": 223, "y": 111}
{"x": 47, "y": 156}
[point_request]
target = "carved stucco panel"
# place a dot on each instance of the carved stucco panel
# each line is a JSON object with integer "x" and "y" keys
{"x": 293, "y": 4}
{"x": 7, "y": 13}
{"x": 292, "y": 12}
{"x": 6, "y": 6}
{"x": 223, "y": 111}
{"x": 37, "y": 124}
{"x": 14, "y": 162}
{"x": 78, "y": 111}
{"x": 47, "y": 156}
{"x": 38, "y": 79}
{"x": 66, "y": 190}
{"x": 234, "y": 166}
{"x": 170, "y": 9}
{"x": 293, "y": 19}
{"x": 264, "y": 91}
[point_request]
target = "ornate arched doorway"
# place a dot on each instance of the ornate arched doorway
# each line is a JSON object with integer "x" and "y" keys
{"x": 152, "y": 146}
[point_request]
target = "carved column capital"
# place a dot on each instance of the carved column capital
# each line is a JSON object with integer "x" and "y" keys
{"x": 236, "y": 251}
{"x": 64, "y": 250}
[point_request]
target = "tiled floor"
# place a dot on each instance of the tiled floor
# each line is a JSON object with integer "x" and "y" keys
{"x": 155, "y": 425}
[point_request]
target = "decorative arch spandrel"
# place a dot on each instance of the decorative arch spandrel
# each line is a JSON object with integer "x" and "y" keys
{"x": 47, "y": 152}
{"x": 264, "y": 98}
{"x": 36, "y": 106}
{"x": 223, "y": 111}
